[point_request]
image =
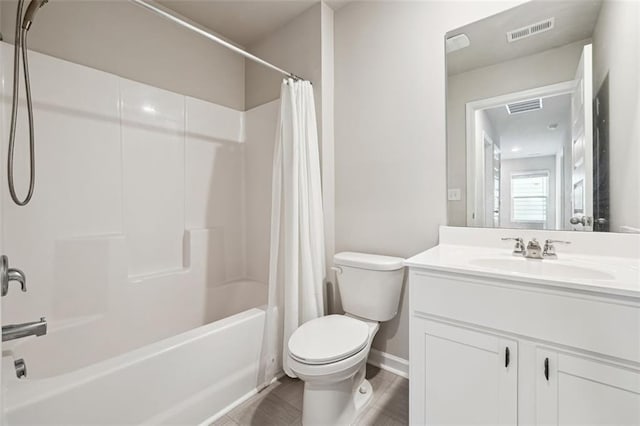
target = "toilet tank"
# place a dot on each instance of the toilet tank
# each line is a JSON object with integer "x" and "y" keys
{"x": 369, "y": 284}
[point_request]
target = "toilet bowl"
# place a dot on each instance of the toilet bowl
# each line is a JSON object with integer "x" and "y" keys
{"x": 330, "y": 353}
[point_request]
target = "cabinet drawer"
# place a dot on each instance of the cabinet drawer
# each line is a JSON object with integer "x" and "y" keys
{"x": 603, "y": 325}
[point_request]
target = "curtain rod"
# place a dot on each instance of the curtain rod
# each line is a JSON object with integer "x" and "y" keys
{"x": 199, "y": 29}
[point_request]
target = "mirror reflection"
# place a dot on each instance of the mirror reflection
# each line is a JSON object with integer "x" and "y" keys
{"x": 543, "y": 119}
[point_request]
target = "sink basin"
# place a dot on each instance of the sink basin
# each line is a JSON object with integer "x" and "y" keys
{"x": 548, "y": 268}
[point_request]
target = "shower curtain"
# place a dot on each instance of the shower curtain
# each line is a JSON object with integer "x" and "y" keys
{"x": 297, "y": 263}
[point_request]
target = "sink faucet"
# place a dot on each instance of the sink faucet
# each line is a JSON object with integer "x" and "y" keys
{"x": 533, "y": 250}
{"x": 17, "y": 331}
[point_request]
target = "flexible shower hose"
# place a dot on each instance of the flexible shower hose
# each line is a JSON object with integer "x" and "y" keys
{"x": 21, "y": 44}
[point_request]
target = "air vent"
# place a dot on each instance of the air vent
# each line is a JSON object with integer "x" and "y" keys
{"x": 529, "y": 30}
{"x": 524, "y": 106}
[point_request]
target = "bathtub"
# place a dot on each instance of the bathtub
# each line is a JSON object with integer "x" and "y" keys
{"x": 184, "y": 379}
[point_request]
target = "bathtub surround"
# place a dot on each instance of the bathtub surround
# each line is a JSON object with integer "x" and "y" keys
{"x": 296, "y": 264}
{"x": 141, "y": 210}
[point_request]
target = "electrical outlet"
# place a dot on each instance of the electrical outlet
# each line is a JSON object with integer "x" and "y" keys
{"x": 454, "y": 194}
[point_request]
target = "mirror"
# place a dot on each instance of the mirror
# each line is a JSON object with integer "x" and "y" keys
{"x": 543, "y": 122}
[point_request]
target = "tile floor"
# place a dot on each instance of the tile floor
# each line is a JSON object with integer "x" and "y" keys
{"x": 281, "y": 403}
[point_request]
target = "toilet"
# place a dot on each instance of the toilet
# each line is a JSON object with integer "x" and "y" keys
{"x": 330, "y": 353}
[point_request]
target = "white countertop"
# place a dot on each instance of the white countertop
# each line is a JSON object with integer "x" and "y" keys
{"x": 600, "y": 274}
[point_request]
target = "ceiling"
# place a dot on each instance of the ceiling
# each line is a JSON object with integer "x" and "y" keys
{"x": 574, "y": 21}
{"x": 243, "y": 22}
{"x": 527, "y": 134}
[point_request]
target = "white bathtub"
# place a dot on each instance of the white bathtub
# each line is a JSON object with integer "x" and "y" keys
{"x": 184, "y": 379}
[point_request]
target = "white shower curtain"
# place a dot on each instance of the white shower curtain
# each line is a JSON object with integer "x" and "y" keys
{"x": 297, "y": 263}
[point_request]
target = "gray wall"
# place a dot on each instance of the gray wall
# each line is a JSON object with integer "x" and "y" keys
{"x": 390, "y": 130}
{"x": 545, "y": 68}
{"x": 124, "y": 39}
{"x": 616, "y": 51}
{"x": 294, "y": 47}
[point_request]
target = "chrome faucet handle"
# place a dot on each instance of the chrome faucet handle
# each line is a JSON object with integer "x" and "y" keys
{"x": 10, "y": 274}
{"x": 518, "y": 249}
{"x": 549, "y": 250}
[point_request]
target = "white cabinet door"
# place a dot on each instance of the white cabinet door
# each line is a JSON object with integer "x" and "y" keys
{"x": 463, "y": 376}
{"x": 571, "y": 390}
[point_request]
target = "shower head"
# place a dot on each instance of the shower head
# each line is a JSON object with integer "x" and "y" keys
{"x": 30, "y": 14}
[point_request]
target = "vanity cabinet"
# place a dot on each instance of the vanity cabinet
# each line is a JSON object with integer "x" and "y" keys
{"x": 495, "y": 351}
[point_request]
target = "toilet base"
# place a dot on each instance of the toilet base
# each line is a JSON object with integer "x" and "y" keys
{"x": 336, "y": 403}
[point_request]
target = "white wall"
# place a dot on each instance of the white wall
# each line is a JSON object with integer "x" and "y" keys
{"x": 121, "y": 38}
{"x": 390, "y": 130}
{"x": 546, "y": 163}
{"x": 542, "y": 69}
{"x": 616, "y": 51}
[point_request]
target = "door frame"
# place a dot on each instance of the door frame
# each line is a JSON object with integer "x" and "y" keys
{"x": 475, "y": 146}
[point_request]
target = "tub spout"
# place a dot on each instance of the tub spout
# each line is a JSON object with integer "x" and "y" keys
{"x": 17, "y": 331}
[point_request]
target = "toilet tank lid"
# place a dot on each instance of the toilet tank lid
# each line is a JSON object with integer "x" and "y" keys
{"x": 374, "y": 262}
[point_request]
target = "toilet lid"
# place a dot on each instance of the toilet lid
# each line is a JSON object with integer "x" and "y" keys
{"x": 328, "y": 339}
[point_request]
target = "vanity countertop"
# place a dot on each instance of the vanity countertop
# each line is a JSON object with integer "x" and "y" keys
{"x": 618, "y": 276}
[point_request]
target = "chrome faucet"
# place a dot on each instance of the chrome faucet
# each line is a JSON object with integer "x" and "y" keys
{"x": 533, "y": 250}
{"x": 17, "y": 331}
{"x": 549, "y": 251}
{"x": 10, "y": 274}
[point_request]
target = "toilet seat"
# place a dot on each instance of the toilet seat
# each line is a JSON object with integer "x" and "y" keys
{"x": 328, "y": 339}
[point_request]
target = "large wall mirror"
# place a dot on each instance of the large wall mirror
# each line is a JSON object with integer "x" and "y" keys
{"x": 543, "y": 118}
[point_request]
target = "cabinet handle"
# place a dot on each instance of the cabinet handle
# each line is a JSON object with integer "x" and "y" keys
{"x": 507, "y": 357}
{"x": 546, "y": 369}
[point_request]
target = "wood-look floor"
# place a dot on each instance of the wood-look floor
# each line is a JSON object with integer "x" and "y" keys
{"x": 281, "y": 403}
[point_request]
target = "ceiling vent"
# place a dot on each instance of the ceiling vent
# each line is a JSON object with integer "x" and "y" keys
{"x": 524, "y": 106}
{"x": 530, "y": 30}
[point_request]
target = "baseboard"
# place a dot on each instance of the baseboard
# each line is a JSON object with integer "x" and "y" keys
{"x": 388, "y": 362}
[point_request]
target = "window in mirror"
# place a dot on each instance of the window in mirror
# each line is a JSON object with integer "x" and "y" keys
{"x": 529, "y": 197}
